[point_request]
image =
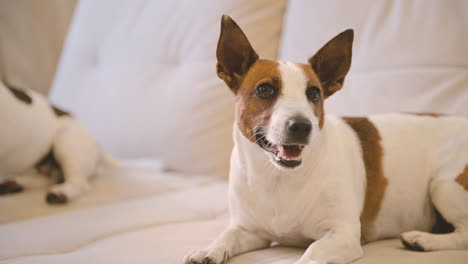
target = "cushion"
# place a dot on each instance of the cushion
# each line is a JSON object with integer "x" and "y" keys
{"x": 146, "y": 216}
{"x": 408, "y": 56}
{"x": 141, "y": 75}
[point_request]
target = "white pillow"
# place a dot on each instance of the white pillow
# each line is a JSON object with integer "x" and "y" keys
{"x": 408, "y": 55}
{"x": 141, "y": 75}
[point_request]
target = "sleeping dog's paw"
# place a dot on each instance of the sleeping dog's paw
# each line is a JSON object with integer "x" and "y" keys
{"x": 58, "y": 194}
{"x": 65, "y": 192}
{"x": 56, "y": 198}
{"x": 206, "y": 257}
{"x": 10, "y": 186}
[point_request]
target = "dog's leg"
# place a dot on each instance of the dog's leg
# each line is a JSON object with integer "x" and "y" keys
{"x": 232, "y": 242}
{"x": 339, "y": 246}
{"x": 77, "y": 153}
{"x": 451, "y": 200}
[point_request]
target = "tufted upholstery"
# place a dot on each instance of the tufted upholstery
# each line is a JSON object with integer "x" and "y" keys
{"x": 408, "y": 56}
{"x": 144, "y": 71}
{"x": 142, "y": 76}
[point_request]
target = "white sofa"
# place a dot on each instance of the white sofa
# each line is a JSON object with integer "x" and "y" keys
{"x": 141, "y": 75}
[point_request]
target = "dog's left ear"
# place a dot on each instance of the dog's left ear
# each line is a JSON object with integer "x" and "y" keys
{"x": 235, "y": 54}
{"x": 332, "y": 61}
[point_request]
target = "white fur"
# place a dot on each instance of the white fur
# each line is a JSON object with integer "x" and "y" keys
{"x": 292, "y": 102}
{"x": 18, "y": 149}
{"x": 323, "y": 199}
{"x": 29, "y": 131}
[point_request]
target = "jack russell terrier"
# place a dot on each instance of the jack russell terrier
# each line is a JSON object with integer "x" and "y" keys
{"x": 41, "y": 144}
{"x": 301, "y": 178}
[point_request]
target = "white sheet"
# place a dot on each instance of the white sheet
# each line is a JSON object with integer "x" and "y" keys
{"x": 117, "y": 203}
{"x": 146, "y": 216}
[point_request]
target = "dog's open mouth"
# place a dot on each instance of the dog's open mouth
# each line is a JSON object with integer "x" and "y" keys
{"x": 288, "y": 156}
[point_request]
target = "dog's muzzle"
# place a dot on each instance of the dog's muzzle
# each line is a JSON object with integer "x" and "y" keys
{"x": 285, "y": 155}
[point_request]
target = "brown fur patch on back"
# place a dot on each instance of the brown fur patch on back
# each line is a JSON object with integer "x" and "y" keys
{"x": 19, "y": 94}
{"x": 314, "y": 81}
{"x": 372, "y": 155}
{"x": 252, "y": 111}
{"x": 462, "y": 179}
{"x": 59, "y": 112}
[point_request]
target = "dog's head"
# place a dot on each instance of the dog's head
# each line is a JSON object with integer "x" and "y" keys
{"x": 279, "y": 105}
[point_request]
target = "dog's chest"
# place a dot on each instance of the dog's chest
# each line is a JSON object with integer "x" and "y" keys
{"x": 283, "y": 214}
{"x": 281, "y": 220}
{"x": 279, "y": 225}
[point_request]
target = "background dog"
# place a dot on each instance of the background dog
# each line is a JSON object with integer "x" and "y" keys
{"x": 302, "y": 178}
{"x": 41, "y": 145}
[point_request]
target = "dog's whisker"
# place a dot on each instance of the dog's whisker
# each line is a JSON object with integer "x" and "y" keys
{"x": 255, "y": 134}
{"x": 260, "y": 138}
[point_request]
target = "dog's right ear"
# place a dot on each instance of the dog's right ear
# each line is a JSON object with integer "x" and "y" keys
{"x": 235, "y": 54}
{"x": 332, "y": 61}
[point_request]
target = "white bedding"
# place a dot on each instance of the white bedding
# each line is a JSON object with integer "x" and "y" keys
{"x": 145, "y": 216}
{"x": 118, "y": 206}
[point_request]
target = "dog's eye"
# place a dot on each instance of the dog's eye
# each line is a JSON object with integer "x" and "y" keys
{"x": 313, "y": 94}
{"x": 265, "y": 91}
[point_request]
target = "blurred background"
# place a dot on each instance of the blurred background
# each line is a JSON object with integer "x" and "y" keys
{"x": 31, "y": 40}
{"x": 141, "y": 74}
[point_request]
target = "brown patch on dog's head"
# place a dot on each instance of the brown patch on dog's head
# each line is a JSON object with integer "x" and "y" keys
{"x": 372, "y": 155}
{"x": 251, "y": 111}
{"x": 234, "y": 53}
{"x": 332, "y": 62}
{"x": 462, "y": 179}
{"x": 19, "y": 94}
{"x": 242, "y": 70}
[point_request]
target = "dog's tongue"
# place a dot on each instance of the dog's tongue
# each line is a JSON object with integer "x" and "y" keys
{"x": 292, "y": 151}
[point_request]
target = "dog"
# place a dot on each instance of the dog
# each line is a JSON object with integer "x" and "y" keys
{"x": 301, "y": 178}
{"x": 41, "y": 144}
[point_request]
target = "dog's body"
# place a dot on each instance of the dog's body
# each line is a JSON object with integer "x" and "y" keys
{"x": 329, "y": 191}
{"x": 301, "y": 178}
{"x": 39, "y": 140}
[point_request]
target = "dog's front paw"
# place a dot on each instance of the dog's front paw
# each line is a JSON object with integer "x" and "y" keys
{"x": 207, "y": 257}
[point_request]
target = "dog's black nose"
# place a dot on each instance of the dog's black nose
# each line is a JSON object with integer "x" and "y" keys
{"x": 299, "y": 128}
